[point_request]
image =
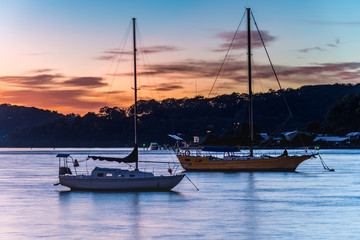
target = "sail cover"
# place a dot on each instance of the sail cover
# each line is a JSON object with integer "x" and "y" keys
{"x": 132, "y": 157}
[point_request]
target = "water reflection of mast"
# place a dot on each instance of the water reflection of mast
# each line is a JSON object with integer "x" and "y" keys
{"x": 251, "y": 206}
{"x": 136, "y": 219}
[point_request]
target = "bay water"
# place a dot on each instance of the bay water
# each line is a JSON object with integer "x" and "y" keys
{"x": 310, "y": 203}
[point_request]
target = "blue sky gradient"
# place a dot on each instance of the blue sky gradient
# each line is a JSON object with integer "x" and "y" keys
{"x": 58, "y": 54}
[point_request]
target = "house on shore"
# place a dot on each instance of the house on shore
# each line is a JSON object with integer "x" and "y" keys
{"x": 331, "y": 140}
{"x": 353, "y": 135}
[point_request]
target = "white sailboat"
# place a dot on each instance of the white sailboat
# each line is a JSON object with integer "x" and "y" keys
{"x": 116, "y": 179}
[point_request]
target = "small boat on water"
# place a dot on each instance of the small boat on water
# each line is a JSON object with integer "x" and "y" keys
{"x": 116, "y": 179}
{"x": 207, "y": 160}
{"x": 154, "y": 146}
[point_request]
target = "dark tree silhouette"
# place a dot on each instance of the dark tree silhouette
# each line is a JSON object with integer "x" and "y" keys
{"x": 223, "y": 119}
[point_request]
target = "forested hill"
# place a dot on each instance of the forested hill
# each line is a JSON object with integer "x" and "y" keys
{"x": 13, "y": 118}
{"x": 222, "y": 115}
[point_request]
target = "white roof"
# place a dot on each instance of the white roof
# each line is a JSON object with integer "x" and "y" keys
{"x": 331, "y": 139}
{"x": 289, "y": 133}
{"x": 175, "y": 137}
{"x": 352, "y": 134}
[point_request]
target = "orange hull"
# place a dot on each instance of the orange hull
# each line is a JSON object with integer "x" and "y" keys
{"x": 278, "y": 164}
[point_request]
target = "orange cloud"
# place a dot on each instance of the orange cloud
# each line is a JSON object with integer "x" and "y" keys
{"x": 112, "y": 54}
{"x": 56, "y": 91}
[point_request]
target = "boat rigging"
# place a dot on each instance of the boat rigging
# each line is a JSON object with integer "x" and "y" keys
{"x": 230, "y": 161}
{"x": 116, "y": 179}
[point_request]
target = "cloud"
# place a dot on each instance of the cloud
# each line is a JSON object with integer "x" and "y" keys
{"x": 240, "y": 41}
{"x": 106, "y": 57}
{"x": 317, "y": 73}
{"x": 42, "y": 70}
{"x": 159, "y": 49}
{"x": 51, "y": 81}
{"x": 47, "y": 99}
{"x": 116, "y": 92}
{"x": 182, "y": 69}
{"x": 337, "y": 42}
{"x": 322, "y": 73}
{"x": 76, "y": 94}
{"x": 193, "y": 69}
{"x": 331, "y": 67}
{"x": 41, "y": 80}
{"x": 331, "y": 45}
{"x": 112, "y": 54}
{"x": 164, "y": 87}
{"x": 306, "y": 50}
{"x": 52, "y": 91}
{"x": 64, "y": 100}
{"x": 169, "y": 87}
{"x": 92, "y": 82}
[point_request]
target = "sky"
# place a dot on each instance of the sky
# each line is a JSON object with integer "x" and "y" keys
{"x": 74, "y": 56}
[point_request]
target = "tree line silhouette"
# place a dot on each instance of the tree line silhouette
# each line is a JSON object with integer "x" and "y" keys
{"x": 332, "y": 109}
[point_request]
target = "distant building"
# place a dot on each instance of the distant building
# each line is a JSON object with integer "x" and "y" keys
{"x": 353, "y": 135}
{"x": 265, "y": 136}
{"x": 289, "y": 136}
{"x": 331, "y": 139}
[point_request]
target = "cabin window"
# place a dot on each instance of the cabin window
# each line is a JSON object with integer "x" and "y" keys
{"x": 198, "y": 160}
{"x": 120, "y": 175}
{"x": 109, "y": 174}
{"x": 187, "y": 160}
{"x": 131, "y": 175}
{"x": 100, "y": 174}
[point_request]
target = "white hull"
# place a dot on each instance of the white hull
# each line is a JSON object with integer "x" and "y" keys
{"x": 114, "y": 179}
{"x": 155, "y": 183}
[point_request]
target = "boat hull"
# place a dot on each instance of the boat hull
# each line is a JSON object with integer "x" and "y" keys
{"x": 269, "y": 164}
{"x": 156, "y": 183}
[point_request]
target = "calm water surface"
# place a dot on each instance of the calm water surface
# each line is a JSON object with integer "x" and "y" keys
{"x": 308, "y": 204}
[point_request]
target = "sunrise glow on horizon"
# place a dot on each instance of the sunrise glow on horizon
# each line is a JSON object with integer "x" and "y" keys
{"x": 59, "y": 55}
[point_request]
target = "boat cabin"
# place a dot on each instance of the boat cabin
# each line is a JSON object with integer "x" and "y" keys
{"x": 108, "y": 173}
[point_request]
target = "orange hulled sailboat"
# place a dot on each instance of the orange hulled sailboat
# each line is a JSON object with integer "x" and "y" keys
{"x": 209, "y": 160}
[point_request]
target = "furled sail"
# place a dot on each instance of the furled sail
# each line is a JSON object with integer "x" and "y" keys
{"x": 132, "y": 157}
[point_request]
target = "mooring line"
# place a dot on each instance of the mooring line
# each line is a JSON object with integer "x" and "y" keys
{"x": 325, "y": 166}
{"x": 192, "y": 182}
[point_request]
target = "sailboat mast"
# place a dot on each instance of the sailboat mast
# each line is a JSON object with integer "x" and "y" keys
{"x": 251, "y": 127}
{"x": 135, "y": 90}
